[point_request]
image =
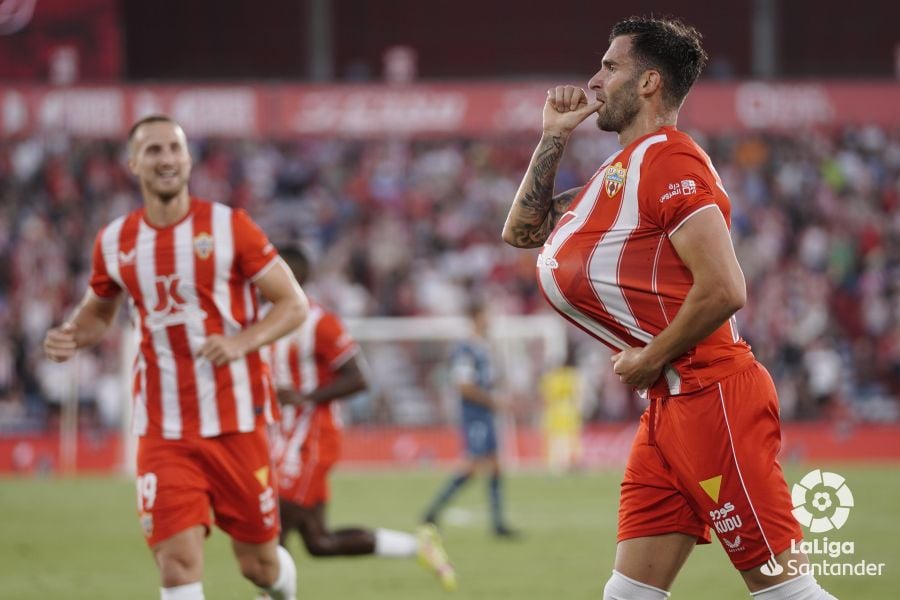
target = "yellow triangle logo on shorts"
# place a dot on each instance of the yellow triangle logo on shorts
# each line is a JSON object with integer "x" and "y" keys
{"x": 262, "y": 476}
{"x": 711, "y": 487}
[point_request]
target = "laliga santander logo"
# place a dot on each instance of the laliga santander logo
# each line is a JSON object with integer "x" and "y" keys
{"x": 822, "y": 501}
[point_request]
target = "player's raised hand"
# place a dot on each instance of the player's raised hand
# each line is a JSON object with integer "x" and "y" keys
{"x": 565, "y": 108}
{"x": 59, "y": 343}
{"x": 221, "y": 350}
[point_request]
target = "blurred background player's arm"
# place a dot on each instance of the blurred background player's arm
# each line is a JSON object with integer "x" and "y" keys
{"x": 85, "y": 328}
{"x": 473, "y": 393}
{"x": 349, "y": 379}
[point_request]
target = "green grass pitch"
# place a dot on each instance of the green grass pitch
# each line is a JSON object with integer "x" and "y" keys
{"x": 80, "y": 539}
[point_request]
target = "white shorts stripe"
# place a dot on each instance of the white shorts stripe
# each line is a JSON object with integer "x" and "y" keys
{"x": 737, "y": 466}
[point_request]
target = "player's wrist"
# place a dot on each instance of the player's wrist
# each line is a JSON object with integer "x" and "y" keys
{"x": 556, "y": 132}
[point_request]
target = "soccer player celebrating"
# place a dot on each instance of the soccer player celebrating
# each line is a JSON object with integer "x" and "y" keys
{"x": 316, "y": 365}
{"x": 640, "y": 257}
{"x": 191, "y": 270}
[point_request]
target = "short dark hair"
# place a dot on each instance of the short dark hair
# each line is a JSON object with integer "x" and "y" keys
{"x": 669, "y": 46}
{"x": 155, "y": 118}
{"x": 297, "y": 260}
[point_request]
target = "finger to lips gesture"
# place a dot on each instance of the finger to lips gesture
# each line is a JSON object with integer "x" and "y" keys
{"x": 566, "y": 106}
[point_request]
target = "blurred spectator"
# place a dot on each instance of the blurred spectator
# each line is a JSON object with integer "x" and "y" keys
{"x": 407, "y": 227}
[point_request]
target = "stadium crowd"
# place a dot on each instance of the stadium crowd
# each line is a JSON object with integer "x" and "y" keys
{"x": 412, "y": 227}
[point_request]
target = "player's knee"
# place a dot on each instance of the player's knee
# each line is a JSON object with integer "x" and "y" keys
{"x": 258, "y": 569}
{"x": 619, "y": 587}
{"x": 177, "y": 568}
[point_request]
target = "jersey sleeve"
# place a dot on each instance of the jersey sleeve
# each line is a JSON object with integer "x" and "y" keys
{"x": 101, "y": 283}
{"x": 334, "y": 344}
{"x": 678, "y": 184}
{"x": 254, "y": 254}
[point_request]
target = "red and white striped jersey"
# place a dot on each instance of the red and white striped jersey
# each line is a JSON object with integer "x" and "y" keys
{"x": 186, "y": 282}
{"x": 303, "y": 361}
{"x": 610, "y": 269}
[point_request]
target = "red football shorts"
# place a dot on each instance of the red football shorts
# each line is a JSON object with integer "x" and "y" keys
{"x": 305, "y": 482}
{"x": 179, "y": 481}
{"x": 708, "y": 459}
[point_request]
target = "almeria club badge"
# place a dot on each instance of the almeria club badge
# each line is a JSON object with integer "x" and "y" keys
{"x": 203, "y": 245}
{"x": 614, "y": 179}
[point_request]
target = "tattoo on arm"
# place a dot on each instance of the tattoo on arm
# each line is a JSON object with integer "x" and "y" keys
{"x": 535, "y": 211}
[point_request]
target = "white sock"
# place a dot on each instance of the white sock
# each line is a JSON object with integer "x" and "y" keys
{"x": 188, "y": 591}
{"x": 396, "y": 544}
{"x": 804, "y": 587}
{"x": 285, "y": 587}
{"x": 619, "y": 587}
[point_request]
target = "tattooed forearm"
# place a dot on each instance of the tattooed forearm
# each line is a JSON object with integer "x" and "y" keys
{"x": 535, "y": 211}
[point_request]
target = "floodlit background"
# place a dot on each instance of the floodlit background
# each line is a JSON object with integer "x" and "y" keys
{"x": 388, "y": 139}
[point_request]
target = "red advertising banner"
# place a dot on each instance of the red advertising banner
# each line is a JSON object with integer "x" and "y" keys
{"x": 472, "y": 110}
{"x": 603, "y": 446}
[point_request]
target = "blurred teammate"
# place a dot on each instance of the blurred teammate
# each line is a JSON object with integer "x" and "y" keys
{"x": 641, "y": 258}
{"x": 473, "y": 376}
{"x": 191, "y": 270}
{"x": 314, "y": 366}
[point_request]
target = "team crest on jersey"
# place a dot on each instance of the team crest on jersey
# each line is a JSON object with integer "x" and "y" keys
{"x": 614, "y": 179}
{"x": 203, "y": 245}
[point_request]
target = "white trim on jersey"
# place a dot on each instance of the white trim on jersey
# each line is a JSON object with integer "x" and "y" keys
{"x": 265, "y": 268}
{"x": 685, "y": 220}
{"x": 344, "y": 357}
{"x": 204, "y": 375}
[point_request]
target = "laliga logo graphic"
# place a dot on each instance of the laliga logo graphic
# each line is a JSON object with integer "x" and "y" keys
{"x": 822, "y": 501}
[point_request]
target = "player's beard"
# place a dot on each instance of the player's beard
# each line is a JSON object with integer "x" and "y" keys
{"x": 620, "y": 108}
{"x": 167, "y": 193}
